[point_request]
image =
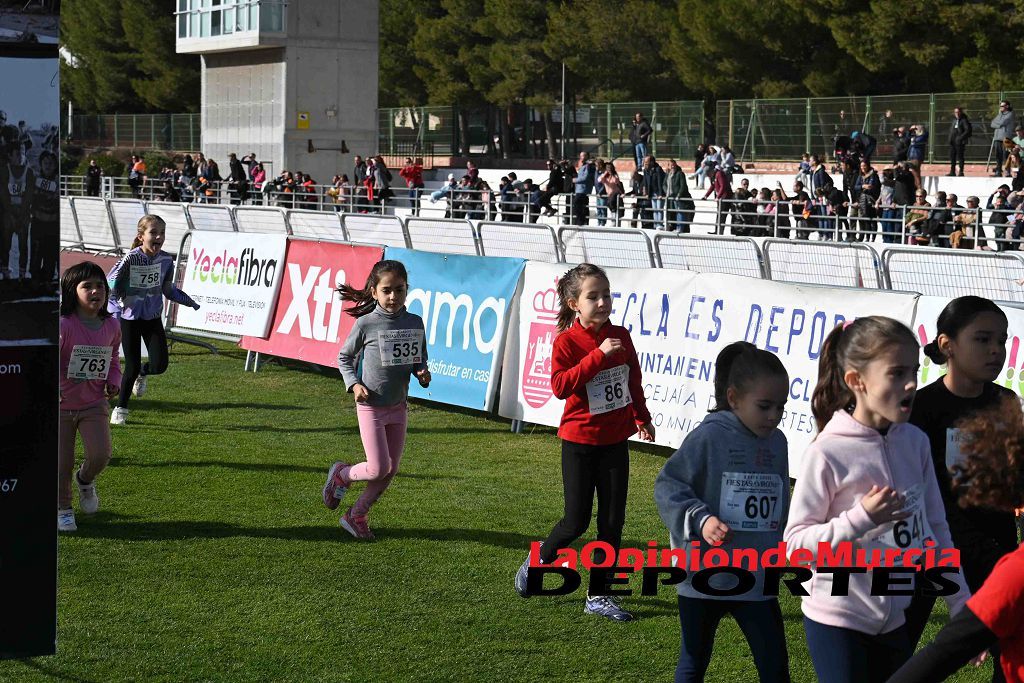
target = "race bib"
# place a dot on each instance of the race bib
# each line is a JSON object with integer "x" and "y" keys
{"x": 400, "y": 347}
{"x": 609, "y": 390}
{"x": 144, "y": 277}
{"x": 89, "y": 362}
{"x": 751, "y": 501}
{"x": 953, "y": 454}
{"x": 911, "y": 532}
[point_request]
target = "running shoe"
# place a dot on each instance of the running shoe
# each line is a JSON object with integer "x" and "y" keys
{"x": 119, "y": 416}
{"x": 607, "y": 607}
{"x": 356, "y": 526}
{"x": 139, "y": 388}
{"x": 66, "y": 520}
{"x": 336, "y": 486}
{"x": 88, "y": 501}
{"x": 521, "y": 576}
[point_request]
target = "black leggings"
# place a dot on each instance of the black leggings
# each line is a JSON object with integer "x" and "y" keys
{"x": 586, "y": 469}
{"x": 133, "y": 332}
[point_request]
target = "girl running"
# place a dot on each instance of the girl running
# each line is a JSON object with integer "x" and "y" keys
{"x": 736, "y": 456}
{"x": 865, "y": 473}
{"x": 385, "y": 346}
{"x": 90, "y": 373}
{"x": 991, "y": 475}
{"x": 970, "y": 340}
{"x": 595, "y": 369}
{"x": 138, "y": 284}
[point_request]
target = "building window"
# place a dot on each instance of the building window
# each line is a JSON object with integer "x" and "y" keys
{"x": 213, "y": 18}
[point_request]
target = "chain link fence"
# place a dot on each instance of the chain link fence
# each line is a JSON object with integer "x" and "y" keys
{"x": 783, "y": 129}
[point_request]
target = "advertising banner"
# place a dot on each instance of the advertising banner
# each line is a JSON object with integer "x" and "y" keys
{"x": 309, "y": 322}
{"x": 235, "y": 279}
{"x": 464, "y": 302}
{"x": 679, "y": 322}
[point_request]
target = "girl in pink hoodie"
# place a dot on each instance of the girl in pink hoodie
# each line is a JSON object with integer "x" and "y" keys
{"x": 866, "y": 480}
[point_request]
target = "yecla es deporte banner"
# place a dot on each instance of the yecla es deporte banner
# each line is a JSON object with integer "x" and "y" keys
{"x": 310, "y": 323}
{"x": 679, "y": 321}
{"x": 235, "y": 279}
{"x": 464, "y": 302}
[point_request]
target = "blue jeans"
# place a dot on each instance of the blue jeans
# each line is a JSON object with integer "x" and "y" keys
{"x": 890, "y": 226}
{"x": 602, "y": 210}
{"x": 657, "y": 214}
{"x": 639, "y": 152}
{"x": 760, "y": 621}
{"x": 842, "y": 655}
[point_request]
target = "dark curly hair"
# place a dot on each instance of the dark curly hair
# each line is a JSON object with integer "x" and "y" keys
{"x": 993, "y": 443}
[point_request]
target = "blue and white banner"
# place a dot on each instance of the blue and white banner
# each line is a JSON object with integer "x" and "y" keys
{"x": 679, "y": 321}
{"x": 464, "y": 302}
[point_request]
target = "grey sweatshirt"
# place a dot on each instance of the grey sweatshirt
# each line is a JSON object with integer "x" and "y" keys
{"x": 723, "y": 469}
{"x": 381, "y": 351}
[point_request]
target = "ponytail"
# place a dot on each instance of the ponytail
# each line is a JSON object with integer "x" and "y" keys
{"x": 831, "y": 392}
{"x": 569, "y": 287}
{"x": 932, "y": 350}
{"x": 146, "y": 222}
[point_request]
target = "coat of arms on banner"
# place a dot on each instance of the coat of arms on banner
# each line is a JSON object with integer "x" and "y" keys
{"x": 536, "y": 385}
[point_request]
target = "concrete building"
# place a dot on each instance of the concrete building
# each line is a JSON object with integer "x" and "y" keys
{"x": 279, "y": 74}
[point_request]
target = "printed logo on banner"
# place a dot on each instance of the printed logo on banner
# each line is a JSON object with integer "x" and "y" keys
{"x": 537, "y": 366}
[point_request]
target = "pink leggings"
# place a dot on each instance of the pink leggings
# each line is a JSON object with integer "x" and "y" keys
{"x": 94, "y": 426}
{"x": 382, "y": 430}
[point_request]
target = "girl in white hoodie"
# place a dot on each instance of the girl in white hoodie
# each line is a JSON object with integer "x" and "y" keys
{"x": 866, "y": 480}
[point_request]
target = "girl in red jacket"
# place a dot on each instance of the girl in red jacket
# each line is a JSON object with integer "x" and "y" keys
{"x": 595, "y": 369}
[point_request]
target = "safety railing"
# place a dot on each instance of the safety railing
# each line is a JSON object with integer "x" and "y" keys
{"x": 109, "y": 226}
{"x": 710, "y": 254}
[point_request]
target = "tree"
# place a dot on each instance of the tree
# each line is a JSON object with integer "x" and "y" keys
{"x": 123, "y": 58}
{"x": 399, "y": 84}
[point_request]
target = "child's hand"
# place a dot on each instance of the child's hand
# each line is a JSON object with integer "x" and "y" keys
{"x": 361, "y": 393}
{"x": 112, "y": 390}
{"x": 884, "y": 505}
{"x": 647, "y": 432}
{"x": 424, "y": 377}
{"x": 715, "y": 531}
{"x": 610, "y": 346}
{"x": 980, "y": 659}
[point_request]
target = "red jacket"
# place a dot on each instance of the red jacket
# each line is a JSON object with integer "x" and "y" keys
{"x": 720, "y": 186}
{"x": 576, "y": 358}
{"x": 413, "y": 175}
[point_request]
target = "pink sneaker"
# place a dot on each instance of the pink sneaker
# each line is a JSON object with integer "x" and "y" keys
{"x": 336, "y": 486}
{"x": 356, "y": 526}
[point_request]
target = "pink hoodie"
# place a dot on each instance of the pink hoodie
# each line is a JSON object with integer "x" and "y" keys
{"x": 838, "y": 470}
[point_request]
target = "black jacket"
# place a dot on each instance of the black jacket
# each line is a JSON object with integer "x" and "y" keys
{"x": 960, "y": 130}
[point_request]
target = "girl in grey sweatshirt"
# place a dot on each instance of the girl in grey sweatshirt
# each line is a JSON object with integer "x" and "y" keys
{"x": 385, "y": 347}
{"x": 728, "y": 486}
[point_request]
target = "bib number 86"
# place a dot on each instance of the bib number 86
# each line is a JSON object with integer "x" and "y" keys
{"x": 760, "y": 506}
{"x": 612, "y": 391}
{"x": 405, "y": 350}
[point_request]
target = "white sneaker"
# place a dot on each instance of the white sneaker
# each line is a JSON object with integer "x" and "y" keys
{"x": 119, "y": 416}
{"x": 66, "y": 520}
{"x": 139, "y": 387}
{"x": 88, "y": 501}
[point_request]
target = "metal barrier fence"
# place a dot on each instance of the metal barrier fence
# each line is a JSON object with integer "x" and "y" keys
{"x": 138, "y": 131}
{"x": 783, "y": 129}
{"x": 110, "y": 225}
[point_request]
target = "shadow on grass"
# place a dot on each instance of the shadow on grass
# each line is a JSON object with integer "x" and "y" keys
{"x": 250, "y": 428}
{"x": 53, "y": 672}
{"x": 177, "y": 530}
{"x": 186, "y": 407}
{"x": 252, "y": 467}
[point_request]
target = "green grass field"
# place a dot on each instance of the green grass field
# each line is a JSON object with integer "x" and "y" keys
{"x": 213, "y": 559}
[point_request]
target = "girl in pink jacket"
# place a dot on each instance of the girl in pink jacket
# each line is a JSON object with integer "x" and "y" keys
{"x": 866, "y": 482}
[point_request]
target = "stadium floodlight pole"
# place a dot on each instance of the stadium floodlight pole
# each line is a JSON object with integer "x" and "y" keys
{"x": 562, "y": 136}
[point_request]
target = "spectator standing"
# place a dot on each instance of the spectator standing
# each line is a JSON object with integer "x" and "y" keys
{"x": 868, "y": 188}
{"x": 552, "y": 187}
{"x": 722, "y": 189}
{"x": 960, "y": 131}
{"x": 93, "y": 177}
{"x": 583, "y": 185}
{"x": 640, "y": 136}
{"x": 381, "y": 182}
{"x": 238, "y": 185}
{"x": 900, "y": 145}
{"x": 698, "y": 156}
{"x": 412, "y": 173}
{"x": 915, "y": 155}
{"x": 1002, "y": 127}
{"x": 137, "y": 176}
{"x": 799, "y": 207}
{"x": 680, "y": 204}
{"x": 614, "y": 191}
{"x": 654, "y": 190}
{"x": 999, "y": 220}
{"x": 863, "y": 145}
{"x": 886, "y": 205}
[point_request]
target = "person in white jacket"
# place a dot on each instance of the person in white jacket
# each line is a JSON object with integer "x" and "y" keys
{"x": 867, "y": 481}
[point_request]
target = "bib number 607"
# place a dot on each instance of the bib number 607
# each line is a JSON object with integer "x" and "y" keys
{"x": 760, "y": 506}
